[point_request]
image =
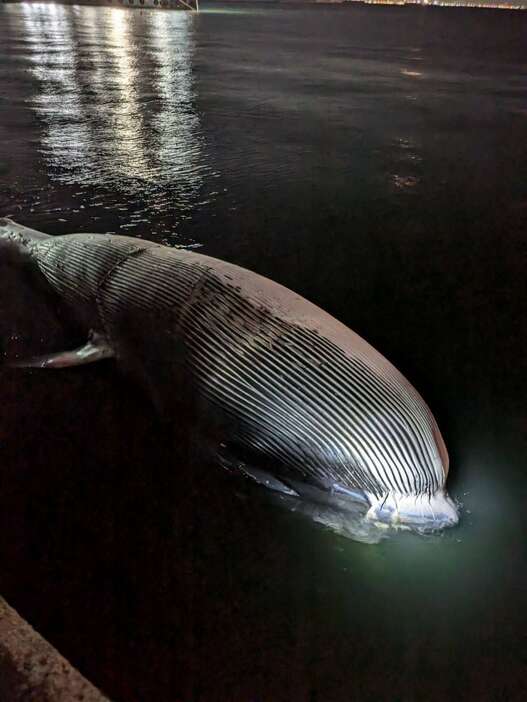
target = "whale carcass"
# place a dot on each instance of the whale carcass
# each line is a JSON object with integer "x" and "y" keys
{"x": 328, "y": 413}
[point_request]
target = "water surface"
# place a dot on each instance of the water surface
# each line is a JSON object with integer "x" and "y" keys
{"x": 373, "y": 159}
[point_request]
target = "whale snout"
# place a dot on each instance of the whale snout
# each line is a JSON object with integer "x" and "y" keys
{"x": 436, "y": 512}
{"x": 420, "y": 512}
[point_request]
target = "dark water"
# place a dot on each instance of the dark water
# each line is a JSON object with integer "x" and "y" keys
{"x": 373, "y": 159}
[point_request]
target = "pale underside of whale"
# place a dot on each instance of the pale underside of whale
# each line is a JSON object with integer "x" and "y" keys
{"x": 327, "y": 411}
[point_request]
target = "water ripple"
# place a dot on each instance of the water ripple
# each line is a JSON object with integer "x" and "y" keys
{"x": 116, "y": 97}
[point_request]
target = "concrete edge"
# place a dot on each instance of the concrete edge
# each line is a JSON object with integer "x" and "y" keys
{"x": 31, "y": 670}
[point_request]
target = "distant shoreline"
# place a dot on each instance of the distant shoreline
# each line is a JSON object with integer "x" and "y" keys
{"x": 170, "y": 4}
{"x": 386, "y": 3}
{"x": 459, "y": 4}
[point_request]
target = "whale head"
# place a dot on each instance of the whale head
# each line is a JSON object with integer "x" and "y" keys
{"x": 403, "y": 450}
{"x": 423, "y": 513}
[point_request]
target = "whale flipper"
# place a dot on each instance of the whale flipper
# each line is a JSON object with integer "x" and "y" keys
{"x": 95, "y": 349}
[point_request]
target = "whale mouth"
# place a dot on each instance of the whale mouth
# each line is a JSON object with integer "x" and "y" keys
{"x": 419, "y": 512}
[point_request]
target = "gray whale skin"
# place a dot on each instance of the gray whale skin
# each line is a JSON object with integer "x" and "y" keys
{"x": 328, "y": 412}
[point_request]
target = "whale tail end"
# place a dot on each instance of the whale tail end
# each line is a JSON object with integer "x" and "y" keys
{"x": 17, "y": 235}
{"x": 29, "y": 311}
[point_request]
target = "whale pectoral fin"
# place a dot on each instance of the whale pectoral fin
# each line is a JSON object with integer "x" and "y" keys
{"x": 96, "y": 349}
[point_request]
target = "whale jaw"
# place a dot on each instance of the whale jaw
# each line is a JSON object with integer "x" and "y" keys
{"x": 423, "y": 513}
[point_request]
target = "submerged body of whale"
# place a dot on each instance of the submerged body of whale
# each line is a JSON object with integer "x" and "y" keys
{"x": 329, "y": 415}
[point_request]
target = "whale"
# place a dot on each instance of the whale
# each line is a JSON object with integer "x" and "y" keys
{"x": 315, "y": 411}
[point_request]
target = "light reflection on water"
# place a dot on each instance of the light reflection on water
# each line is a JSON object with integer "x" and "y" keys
{"x": 50, "y": 33}
{"x": 117, "y": 98}
{"x": 397, "y": 203}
